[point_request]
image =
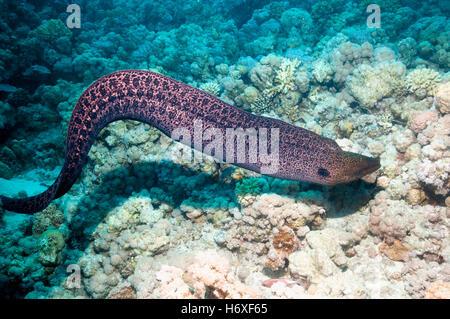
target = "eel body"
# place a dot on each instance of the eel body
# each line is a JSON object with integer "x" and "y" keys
{"x": 170, "y": 105}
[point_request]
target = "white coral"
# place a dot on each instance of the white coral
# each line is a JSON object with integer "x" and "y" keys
{"x": 370, "y": 84}
{"x": 322, "y": 71}
{"x": 435, "y": 175}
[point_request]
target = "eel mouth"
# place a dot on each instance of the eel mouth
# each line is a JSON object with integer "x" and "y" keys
{"x": 370, "y": 165}
{"x": 362, "y": 165}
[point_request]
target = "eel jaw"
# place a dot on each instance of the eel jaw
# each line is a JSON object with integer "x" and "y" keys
{"x": 360, "y": 165}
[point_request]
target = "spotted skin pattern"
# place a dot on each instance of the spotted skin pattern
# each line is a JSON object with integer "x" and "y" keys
{"x": 167, "y": 105}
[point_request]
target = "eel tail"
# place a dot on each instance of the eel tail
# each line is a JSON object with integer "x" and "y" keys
{"x": 33, "y": 204}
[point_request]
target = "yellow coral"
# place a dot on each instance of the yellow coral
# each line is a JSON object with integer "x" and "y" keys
{"x": 212, "y": 88}
{"x": 284, "y": 77}
{"x": 422, "y": 82}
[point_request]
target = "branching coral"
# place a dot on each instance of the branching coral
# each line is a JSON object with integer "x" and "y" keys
{"x": 284, "y": 77}
{"x": 422, "y": 82}
{"x": 263, "y": 103}
{"x": 212, "y": 88}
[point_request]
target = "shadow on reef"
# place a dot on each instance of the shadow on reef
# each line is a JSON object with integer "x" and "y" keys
{"x": 166, "y": 182}
{"x": 172, "y": 183}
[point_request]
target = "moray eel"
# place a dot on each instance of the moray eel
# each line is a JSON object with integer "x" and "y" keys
{"x": 167, "y": 105}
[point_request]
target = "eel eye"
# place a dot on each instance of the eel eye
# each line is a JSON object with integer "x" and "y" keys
{"x": 323, "y": 172}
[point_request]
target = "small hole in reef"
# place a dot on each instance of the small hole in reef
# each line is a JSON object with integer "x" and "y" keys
{"x": 323, "y": 172}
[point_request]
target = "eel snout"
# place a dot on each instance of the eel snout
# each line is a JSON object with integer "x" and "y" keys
{"x": 356, "y": 166}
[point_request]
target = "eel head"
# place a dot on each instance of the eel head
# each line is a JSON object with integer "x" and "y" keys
{"x": 346, "y": 167}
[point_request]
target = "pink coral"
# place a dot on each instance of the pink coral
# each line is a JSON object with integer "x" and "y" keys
{"x": 438, "y": 129}
{"x": 170, "y": 284}
{"x": 442, "y": 97}
{"x": 286, "y": 281}
{"x": 213, "y": 271}
{"x": 438, "y": 290}
{"x": 421, "y": 120}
